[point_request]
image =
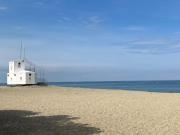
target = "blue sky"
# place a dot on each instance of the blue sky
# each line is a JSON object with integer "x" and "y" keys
{"x": 93, "y": 40}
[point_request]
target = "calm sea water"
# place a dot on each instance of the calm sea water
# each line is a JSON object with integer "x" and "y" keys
{"x": 152, "y": 86}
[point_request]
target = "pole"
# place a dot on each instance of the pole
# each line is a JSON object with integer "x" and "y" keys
{"x": 21, "y": 51}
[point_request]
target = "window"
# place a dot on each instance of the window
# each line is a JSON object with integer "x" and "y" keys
{"x": 14, "y": 74}
{"x": 19, "y": 65}
{"x": 20, "y": 78}
{"x": 30, "y": 76}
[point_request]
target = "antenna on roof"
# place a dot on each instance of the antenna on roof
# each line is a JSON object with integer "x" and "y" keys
{"x": 21, "y": 51}
{"x": 24, "y": 53}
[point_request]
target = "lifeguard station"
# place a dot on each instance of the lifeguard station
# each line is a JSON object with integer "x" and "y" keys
{"x": 21, "y": 72}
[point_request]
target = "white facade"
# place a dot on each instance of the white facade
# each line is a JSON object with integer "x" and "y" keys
{"x": 21, "y": 73}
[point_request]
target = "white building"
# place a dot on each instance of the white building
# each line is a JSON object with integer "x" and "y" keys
{"x": 21, "y": 72}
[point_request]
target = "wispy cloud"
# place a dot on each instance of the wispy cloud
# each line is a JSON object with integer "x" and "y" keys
{"x": 150, "y": 42}
{"x": 18, "y": 27}
{"x": 93, "y": 22}
{"x": 150, "y": 46}
{"x": 39, "y": 3}
{"x": 90, "y": 21}
{"x": 42, "y": 3}
{"x": 95, "y": 19}
{"x": 3, "y": 8}
{"x": 143, "y": 42}
{"x": 134, "y": 28}
{"x": 64, "y": 19}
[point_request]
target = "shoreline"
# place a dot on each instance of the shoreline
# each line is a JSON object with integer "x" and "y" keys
{"x": 92, "y": 89}
{"x": 147, "y": 86}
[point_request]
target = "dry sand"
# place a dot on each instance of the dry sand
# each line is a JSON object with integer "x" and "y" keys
{"x": 74, "y": 111}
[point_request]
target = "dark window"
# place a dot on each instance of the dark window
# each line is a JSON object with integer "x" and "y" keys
{"x": 14, "y": 74}
{"x": 20, "y": 78}
{"x": 29, "y": 74}
{"x": 19, "y": 65}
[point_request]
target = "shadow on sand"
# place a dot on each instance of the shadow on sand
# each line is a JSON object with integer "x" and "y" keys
{"x": 16, "y": 122}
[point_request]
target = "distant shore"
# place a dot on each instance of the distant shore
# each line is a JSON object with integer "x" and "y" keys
{"x": 79, "y": 111}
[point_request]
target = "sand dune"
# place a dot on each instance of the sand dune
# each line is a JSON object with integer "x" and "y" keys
{"x": 75, "y": 111}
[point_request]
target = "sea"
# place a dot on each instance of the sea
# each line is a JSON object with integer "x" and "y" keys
{"x": 151, "y": 86}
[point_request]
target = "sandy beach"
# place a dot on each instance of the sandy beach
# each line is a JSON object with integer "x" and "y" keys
{"x": 75, "y": 111}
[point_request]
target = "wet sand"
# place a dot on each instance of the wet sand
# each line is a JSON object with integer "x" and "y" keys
{"x": 75, "y": 111}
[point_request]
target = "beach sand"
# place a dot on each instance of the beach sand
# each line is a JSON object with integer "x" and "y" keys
{"x": 75, "y": 111}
